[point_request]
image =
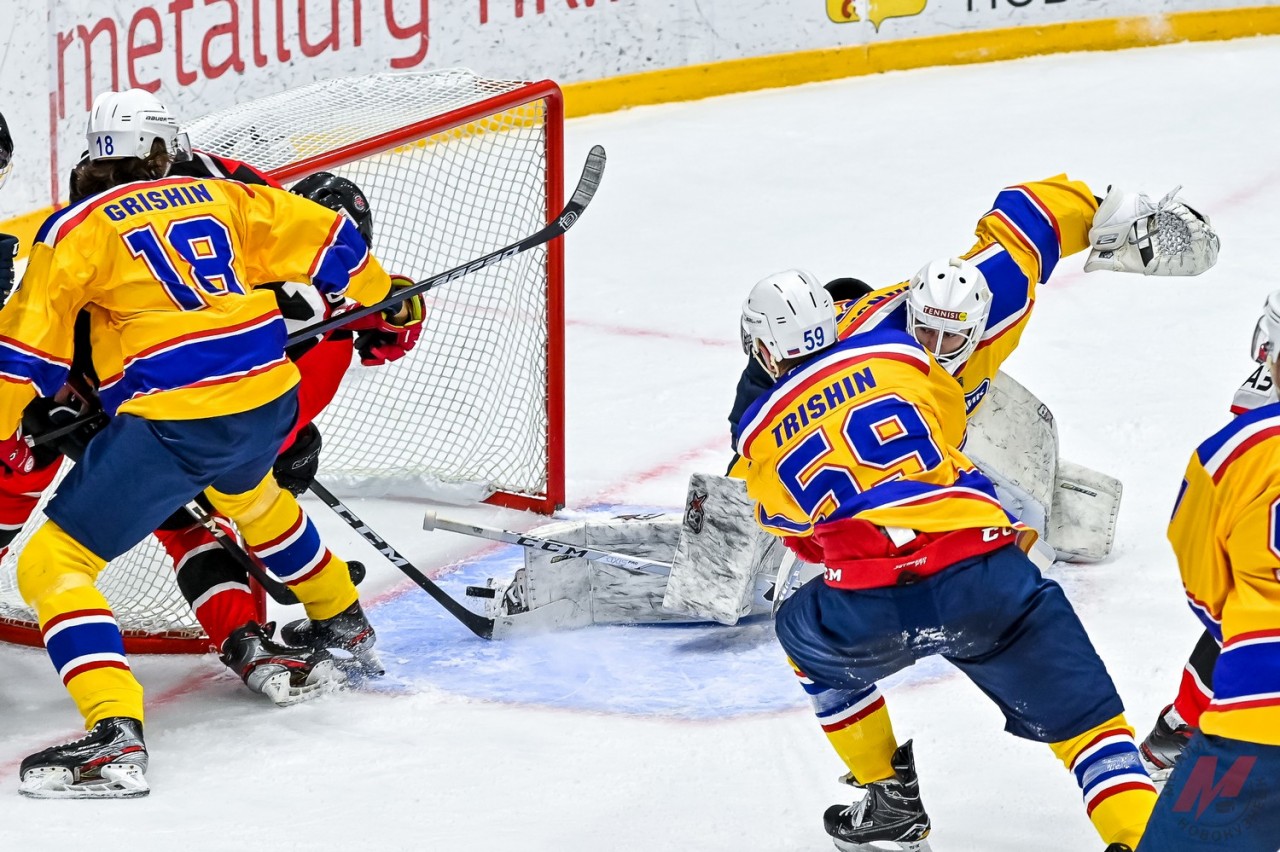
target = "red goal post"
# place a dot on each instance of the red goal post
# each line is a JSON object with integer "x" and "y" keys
{"x": 454, "y": 166}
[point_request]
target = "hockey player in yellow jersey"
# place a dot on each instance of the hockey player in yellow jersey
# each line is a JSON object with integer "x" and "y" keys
{"x": 972, "y": 322}
{"x": 1224, "y": 793}
{"x": 853, "y": 457}
{"x": 191, "y": 368}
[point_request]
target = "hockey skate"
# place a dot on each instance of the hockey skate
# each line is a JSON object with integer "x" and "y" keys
{"x": 1165, "y": 744}
{"x": 348, "y": 631}
{"x": 889, "y": 818}
{"x": 283, "y": 674}
{"x": 109, "y": 762}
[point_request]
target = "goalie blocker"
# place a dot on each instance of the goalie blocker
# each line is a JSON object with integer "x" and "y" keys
{"x": 725, "y": 568}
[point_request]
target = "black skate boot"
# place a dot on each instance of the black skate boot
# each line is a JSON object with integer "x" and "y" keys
{"x": 283, "y": 674}
{"x": 109, "y": 762}
{"x": 890, "y": 813}
{"x": 1165, "y": 744}
{"x": 348, "y": 631}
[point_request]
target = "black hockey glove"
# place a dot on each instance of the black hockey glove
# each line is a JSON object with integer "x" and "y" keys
{"x": 43, "y": 415}
{"x": 296, "y": 467}
{"x": 8, "y": 251}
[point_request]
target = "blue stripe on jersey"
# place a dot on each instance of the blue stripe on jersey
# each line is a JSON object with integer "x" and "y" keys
{"x": 876, "y": 337}
{"x": 1209, "y": 448}
{"x": 1031, "y": 220}
{"x": 199, "y": 360}
{"x": 47, "y": 376}
{"x": 58, "y": 216}
{"x": 1010, "y": 289}
{"x": 1247, "y": 670}
{"x": 344, "y": 257}
{"x": 1214, "y": 628}
{"x": 903, "y": 490}
{"x": 80, "y": 640}
{"x": 780, "y": 522}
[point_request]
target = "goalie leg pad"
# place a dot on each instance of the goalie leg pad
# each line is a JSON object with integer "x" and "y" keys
{"x": 1086, "y": 503}
{"x": 720, "y": 552}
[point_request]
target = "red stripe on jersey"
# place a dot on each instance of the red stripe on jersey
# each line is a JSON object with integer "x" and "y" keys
{"x": 1243, "y": 448}
{"x": 1252, "y": 704}
{"x": 1021, "y": 236}
{"x": 1043, "y": 208}
{"x": 1255, "y": 634}
{"x": 328, "y": 244}
{"x": 812, "y": 381}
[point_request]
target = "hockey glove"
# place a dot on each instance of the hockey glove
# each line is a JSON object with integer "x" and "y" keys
{"x": 296, "y": 467}
{"x": 1130, "y": 234}
{"x": 16, "y": 455}
{"x": 381, "y": 338}
{"x": 8, "y": 251}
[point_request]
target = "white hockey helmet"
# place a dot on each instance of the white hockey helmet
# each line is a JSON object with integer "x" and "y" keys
{"x": 948, "y": 303}
{"x": 791, "y": 314}
{"x": 1266, "y": 334}
{"x": 127, "y": 124}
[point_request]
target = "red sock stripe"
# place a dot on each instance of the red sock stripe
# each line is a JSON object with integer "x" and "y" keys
{"x": 323, "y": 563}
{"x": 1116, "y": 790}
{"x": 96, "y": 664}
{"x": 1114, "y": 732}
{"x": 77, "y": 613}
{"x": 856, "y": 717}
{"x": 293, "y": 529}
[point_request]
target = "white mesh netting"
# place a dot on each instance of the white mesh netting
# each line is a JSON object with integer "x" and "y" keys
{"x": 465, "y": 414}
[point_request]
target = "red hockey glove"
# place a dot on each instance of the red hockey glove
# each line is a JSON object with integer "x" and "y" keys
{"x": 16, "y": 455}
{"x": 387, "y": 336}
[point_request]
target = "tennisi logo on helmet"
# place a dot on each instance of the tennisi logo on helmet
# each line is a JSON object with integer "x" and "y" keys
{"x": 955, "y": 316}
{"x": 876, "y": 11}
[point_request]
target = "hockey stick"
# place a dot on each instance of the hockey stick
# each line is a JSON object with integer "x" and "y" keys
{"x": 588, "y": 183}
{"x": 280, "y": 593}
{"x": 592, "y": 172}
{"x": 476, "y": 623}
{"x": 631, "y": 564}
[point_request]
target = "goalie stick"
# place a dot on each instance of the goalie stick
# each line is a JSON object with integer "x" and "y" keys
{"x": 476, "y": 623}
{"x": 631, "y": 564}
{"x": 588, "y": 183}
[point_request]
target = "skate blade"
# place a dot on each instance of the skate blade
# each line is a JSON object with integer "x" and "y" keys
{"x": 921, "y": 845}
{"x": 324, "y": 678}
{"x": 118, "y": 781}
{"x": 361, "y": 666}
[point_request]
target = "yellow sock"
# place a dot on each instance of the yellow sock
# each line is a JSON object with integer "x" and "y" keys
{"x": 1118, "y": 794}
{"x": 858, "y": 726}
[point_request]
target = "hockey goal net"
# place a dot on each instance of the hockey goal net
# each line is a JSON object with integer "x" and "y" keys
{"x": 454, "y": 166}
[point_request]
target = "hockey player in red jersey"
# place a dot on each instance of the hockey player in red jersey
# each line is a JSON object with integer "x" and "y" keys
{"x": 853, "y": 458}
{"x": 201, "y": 397}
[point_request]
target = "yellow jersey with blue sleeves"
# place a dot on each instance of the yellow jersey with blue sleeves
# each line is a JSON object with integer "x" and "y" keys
{"x": 866, "y": 430}
{"x": 1225, "y": 532}
{"x": 166, "y": 271}
{"x": 1020, "y": 242}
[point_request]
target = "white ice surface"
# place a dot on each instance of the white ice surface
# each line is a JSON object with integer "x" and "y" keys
{"x": 499, "y": 748}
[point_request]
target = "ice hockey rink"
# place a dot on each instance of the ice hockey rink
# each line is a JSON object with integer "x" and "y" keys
{"x": 697, "y": 738}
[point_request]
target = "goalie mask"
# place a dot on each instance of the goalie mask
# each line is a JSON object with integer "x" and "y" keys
{"x": 6, "y": 151}
{"x": 948, "y": 303}
{"x": 341, "y": 196}
{"x": 127, "y": 124}
{"x": 1266, "y": 334}
{"x": 791, "y": 315}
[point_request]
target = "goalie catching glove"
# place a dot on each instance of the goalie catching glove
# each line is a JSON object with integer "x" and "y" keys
{"x": 387, "y": 336}
{"x": 1131, "y": 234}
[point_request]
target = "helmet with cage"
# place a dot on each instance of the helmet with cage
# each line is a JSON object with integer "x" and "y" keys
{"x": 948, "y": 303}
